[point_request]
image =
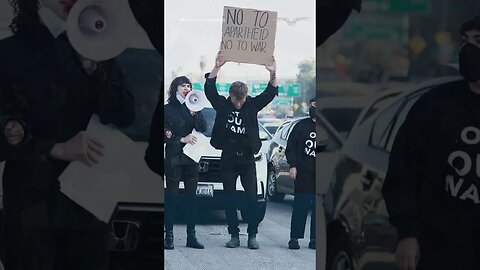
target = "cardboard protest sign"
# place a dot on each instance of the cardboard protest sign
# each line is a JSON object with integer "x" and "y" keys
{"x": 248, "y": 35}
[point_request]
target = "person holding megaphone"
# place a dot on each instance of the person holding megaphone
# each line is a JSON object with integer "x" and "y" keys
{"x": 177, "y": 126}
{"x": 48, "y": 94}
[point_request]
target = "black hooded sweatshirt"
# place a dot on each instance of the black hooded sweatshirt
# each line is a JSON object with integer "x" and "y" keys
{"x": 431, "y": 186}
{"x": 226, "y": 111}
{"x": 300, "y": 154}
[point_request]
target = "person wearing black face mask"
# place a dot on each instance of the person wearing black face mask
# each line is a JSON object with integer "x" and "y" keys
{"x": 432, "y": 182}
{"x": 300, "y": 155}
{"x": 469, "y": 59}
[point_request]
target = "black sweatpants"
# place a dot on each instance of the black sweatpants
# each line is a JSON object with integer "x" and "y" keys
{"x": 232, "y": 166}
{"x": 302, "y": 204}
{"x": 189, "y": 175}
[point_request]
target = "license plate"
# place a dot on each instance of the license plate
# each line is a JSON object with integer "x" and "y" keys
{"x": 205, "y": 190}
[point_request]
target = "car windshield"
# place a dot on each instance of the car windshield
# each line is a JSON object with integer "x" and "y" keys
{"x": 209, "y": 116}
{"x": 342, "y": 119}
{"x": 271, "y": 129}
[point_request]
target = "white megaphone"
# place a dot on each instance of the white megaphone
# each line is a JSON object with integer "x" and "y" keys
{"x": 99, "y": 29}
{"x": 196, "y": 100}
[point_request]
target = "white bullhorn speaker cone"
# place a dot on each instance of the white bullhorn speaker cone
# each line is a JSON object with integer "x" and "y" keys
{"x": 100, "y": 29}
{"x": 91, "y": 20}
{"x": 196, "y": 100}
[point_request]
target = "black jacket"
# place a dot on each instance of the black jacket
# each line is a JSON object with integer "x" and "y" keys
{"x": 431, "y": 185}
{"x": 43, "y": 83}
{"x": 177, "y": 123}
{"x": 300, "y": 154}
{"x": 250, "y": 109}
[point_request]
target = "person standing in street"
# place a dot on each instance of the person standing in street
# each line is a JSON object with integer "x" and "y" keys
{"x": 300, "y": 153}
{"x": 176, "y": 127}
{"x": 432, "y": 181}
{"x": 236, "y": 133}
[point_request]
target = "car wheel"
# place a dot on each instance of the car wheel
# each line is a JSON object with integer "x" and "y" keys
{"x": 339, "y": 257}
{"x": 262, "y": 209}
{"x": 272, "y": 193}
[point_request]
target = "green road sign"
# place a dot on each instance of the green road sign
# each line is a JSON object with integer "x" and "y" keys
{"x": 258, "y": 88}
{"x": 391, "y": 27}
{"x": 222, "y": 88}
{"x": 283, "y": 101}
{"x": 197, "y": 86}
{"x": 396, "y": 6}
{"x": 293, "y": 90}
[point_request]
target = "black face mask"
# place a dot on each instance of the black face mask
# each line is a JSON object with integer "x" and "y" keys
{"x": 312, "y": 111}
{"x": 469, "y": 62}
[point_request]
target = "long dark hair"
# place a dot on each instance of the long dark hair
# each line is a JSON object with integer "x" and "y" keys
{"x": 25, "y": 16}
{"x": 172, "y": 91}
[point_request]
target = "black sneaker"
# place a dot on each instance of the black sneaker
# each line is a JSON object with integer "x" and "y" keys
{"x": 168, "y": 243}
{"x": 234, "y": 242}
{"x": 293, "y": 243}
{"x": 252, "y": 242}
{"x": 192, "y": 242}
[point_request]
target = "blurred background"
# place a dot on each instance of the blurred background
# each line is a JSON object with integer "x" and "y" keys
{"x": 193, "y": 32}
{"x": 395, "y": 41}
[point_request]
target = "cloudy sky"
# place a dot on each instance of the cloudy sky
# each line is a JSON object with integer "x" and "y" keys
{"x": 194, "y": 28}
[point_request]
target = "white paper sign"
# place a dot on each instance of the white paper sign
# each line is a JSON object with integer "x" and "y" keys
{"x": 194, "y": 151}
{"x": 99, "y": 188}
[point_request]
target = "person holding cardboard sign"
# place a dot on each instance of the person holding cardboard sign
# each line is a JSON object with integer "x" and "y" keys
{"x": 236, "y": 133}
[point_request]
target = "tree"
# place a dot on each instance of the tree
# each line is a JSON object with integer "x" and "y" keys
{"x": 306, "y": 79}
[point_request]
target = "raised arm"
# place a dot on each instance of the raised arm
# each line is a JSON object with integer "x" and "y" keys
{"x": 210, "y": 84}
{"x": 262, "y": 100}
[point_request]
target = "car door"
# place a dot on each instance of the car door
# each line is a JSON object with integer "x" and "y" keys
{"x": 283, "y": 179}
{"x": 276, "y": 155}
{"x": 331, "y": 143}
{"x": 378, "y": 235}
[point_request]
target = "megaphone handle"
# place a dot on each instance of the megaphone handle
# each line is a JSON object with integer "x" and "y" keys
{"x": 90, "y": 66}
